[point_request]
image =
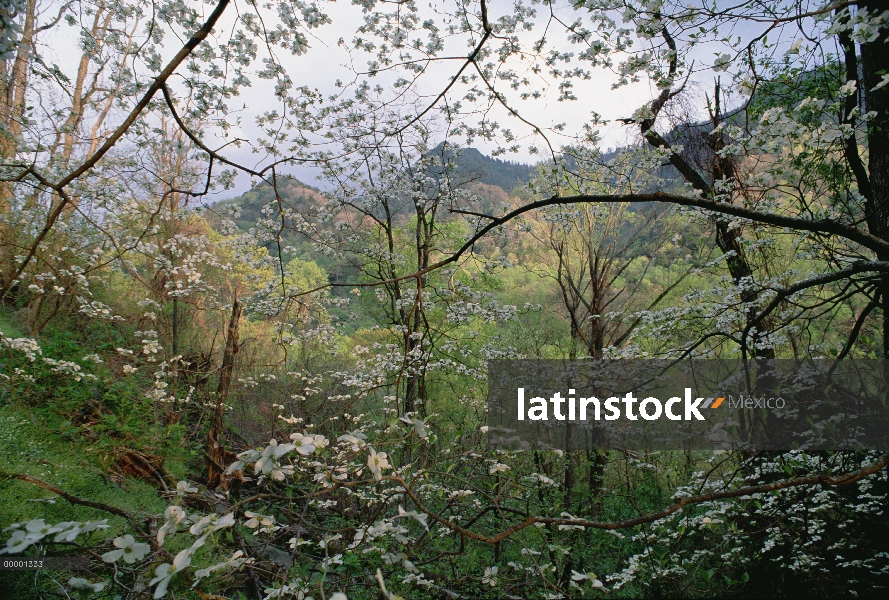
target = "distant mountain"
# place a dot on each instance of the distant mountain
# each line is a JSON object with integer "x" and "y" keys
{"x": 294, "y": 193}
{"x": 482, "y": 173}
{"x": 472, "y": 165}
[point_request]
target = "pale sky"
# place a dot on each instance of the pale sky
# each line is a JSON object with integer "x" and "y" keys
{"x": 326, "y": 62}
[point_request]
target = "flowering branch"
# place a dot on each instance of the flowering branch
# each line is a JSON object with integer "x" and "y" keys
{"x": 825, "y": 481}
{"x": 89, "y": 163}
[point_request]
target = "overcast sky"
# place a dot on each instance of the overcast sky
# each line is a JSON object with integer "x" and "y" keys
{"x": 326, "y": 62}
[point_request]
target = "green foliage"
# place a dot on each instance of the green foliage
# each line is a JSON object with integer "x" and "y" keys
{"x": 304, "y": 275}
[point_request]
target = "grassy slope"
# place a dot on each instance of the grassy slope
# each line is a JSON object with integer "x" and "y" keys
{"x": 38, "y": 439}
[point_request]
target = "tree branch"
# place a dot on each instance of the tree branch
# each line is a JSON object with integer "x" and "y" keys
{"x": 199, "y": 36}
{"x": 825, "y": 226}
{"x": 823, "y": 480}
{"x": 861, "y": 267}
{"x": 133, "y": 521}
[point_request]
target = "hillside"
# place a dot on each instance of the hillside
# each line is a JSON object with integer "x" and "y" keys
{"x": 472, "y": 165}
{"x": 490, "y": 179}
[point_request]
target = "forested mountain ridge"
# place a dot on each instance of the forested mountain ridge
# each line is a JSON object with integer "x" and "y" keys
{"x": 467, "y": 167}
{"x": 471, "y": 165}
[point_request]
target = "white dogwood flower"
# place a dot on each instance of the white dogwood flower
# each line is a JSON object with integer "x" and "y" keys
{"x": 355, "y": 439}
{"x": 722, "y": 63}
{"x": 174, "y": 516}
{"x": 418, "y": 425}
{"x": 267, "y": 462}
{"x": 377, "y": 461}
{"x": 38, "y": 526}
{"x": 234, "y": 562}
{"x": 128, "y": 549}
{"x": 412, "y": 514}
{"x": 18, "y": 541}
{"x": 306, "y": 443}
{"x": 165, "y": 572}
{"x": 591, "y": 577}
{"x": 67, "y": 531}
{"x": 256, "y": 519}
{"x": 183, "y": 487}
{"x": 212, "y": 523}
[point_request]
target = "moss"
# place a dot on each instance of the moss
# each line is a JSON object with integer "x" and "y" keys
{"x": 7, "y": 326}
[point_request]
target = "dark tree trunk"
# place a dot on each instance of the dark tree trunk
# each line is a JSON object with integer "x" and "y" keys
{"x": 215, "y": 453}
{"x": 596, "y": 460}
{"x": 874, "y": 63}
{"x": 722, "y": 168}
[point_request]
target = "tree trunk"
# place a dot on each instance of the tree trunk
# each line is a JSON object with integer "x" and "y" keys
{"x": 727, "y": 238}
{"x": 596, "y": 460}
{"x": 874, "y": 63}
{"x": 215, "y": 453}
{"x": 722, "y": 167}
{"x": 12, "y": 99}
